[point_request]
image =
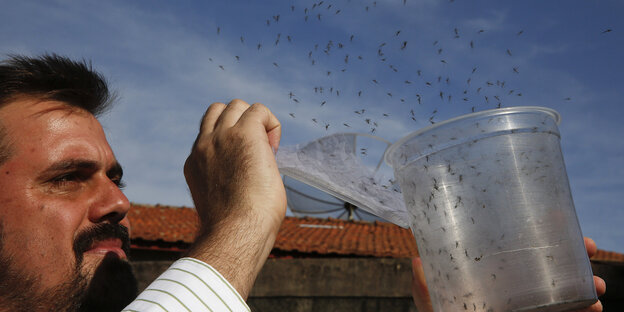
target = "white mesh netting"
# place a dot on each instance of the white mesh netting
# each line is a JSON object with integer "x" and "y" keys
{"x": 332, "y": 164}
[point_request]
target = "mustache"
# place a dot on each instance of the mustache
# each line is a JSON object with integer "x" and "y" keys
{"x": 102, "y": 231}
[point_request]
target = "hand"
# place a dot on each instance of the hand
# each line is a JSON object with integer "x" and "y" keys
{"x": 420, "y": 293}
{"x": 237, "y": 190}
{"x": 601, "y": 286}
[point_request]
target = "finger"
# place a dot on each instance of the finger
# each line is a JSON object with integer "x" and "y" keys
{"x": 210, "y": 117}
{"x": 596, "y": 307}
{"x": 590, "y": 245}
{"x": 231, "y": 114}
{"x": 259, "y": 115}
{"x": 601, "y": 286}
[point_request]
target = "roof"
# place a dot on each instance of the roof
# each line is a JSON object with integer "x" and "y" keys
{"x": 603, "y": 255}
{"x": 163, "y": 224}
{"x": 173, "y": 228}
{"x": 340, "y": 237}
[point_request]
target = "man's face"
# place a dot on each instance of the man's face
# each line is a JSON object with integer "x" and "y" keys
{"x": 61, "y": 181}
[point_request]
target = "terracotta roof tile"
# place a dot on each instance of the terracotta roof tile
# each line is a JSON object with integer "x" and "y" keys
{"x": 603, "y": 255}
{"x": 167, "y": 227}
{"x": 333, "y": 236}
{"x": 166, "y": 223}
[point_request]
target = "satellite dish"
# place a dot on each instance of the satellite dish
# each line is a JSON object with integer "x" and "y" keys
{"x": 306, "y": 200}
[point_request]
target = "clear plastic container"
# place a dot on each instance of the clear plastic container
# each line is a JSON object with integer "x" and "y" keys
{"x": 491, "y": 210}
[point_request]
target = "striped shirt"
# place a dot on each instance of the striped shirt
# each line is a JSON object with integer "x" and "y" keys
{"x": 189, "y": 285}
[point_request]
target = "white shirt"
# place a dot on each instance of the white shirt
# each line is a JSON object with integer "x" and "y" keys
{"x": 189, "y": 285}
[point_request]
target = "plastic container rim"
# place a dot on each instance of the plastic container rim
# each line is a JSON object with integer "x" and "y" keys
{"x": 493, "y": 112}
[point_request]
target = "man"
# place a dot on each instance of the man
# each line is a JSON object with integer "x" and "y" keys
{"x": 63, "y": 224}
{"x": 63, "y": 221}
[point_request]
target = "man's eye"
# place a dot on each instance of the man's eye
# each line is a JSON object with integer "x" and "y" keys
{"x": 65, "y": 178}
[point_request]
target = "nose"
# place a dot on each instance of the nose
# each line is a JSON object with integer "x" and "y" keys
{"x": 109, "y": 204}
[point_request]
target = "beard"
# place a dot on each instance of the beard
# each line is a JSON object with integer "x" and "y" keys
{"x": 111, "y": 288}
{"x": 18, "y": 290}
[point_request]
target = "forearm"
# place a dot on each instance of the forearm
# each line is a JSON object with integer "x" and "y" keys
{"x": 237, "y": 190}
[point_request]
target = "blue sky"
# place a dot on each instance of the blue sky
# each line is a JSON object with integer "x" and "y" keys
{"x": 169, "y": 60}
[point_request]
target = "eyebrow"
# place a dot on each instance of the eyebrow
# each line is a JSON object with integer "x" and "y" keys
{"x": 73, "y": 164}
{"x": 84, "y": 164}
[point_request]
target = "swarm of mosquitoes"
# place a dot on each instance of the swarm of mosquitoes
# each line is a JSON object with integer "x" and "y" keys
{"x": 420, "y": 85}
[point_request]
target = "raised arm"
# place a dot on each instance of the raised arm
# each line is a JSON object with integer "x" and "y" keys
{"x": 237, "y": 190}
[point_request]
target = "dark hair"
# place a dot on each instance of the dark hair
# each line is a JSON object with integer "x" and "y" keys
{"x": 54, "y": 77}
{"x": 51, "y": 77}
